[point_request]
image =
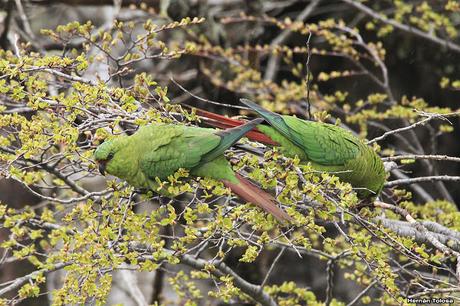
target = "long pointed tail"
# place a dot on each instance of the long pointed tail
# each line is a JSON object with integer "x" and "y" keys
{"x": 249, "y": 192}
{"x": 222, "y": 122}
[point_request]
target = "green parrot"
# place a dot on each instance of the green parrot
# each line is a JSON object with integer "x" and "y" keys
{"x": 327, "y": 147}
{"x": 160, "y": 150}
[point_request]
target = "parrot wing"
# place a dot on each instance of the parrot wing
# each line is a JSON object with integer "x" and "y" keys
{"x": 187, "y": 147}
{"x": 323, "y": 143}
{"x": 181, "y": 147}
{"x": 229, "y": 137}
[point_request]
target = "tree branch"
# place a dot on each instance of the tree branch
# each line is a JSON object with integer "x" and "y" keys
{"x": 419, "y": 190}
{"x": 406, "y": 28}
{"x": 423, "y": 179}
{"x": 414, "y": 156}
{"x": 273, "y": 62}
{"x": 133, "y": 289}
{"x": 420, "y": 229}
{"x": 253, "y": 291}
{"x": 410, "y": 127}
{"x": 24, "y": 279}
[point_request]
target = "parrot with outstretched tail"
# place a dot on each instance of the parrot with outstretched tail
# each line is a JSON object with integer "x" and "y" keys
{"x": 160, "y": 150}
{"x": 327, "y": 147}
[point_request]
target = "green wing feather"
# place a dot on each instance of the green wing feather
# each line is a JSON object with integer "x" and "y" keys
{"x": 322, "y": 143}
{"x": 159, "y": 151}
{"x": 275, "y": 120}
{"x": 171, "y": 147}
{"x": 229, "y": 137}
{"x": 181, "y": 147}
{"x": 328, "y": 147}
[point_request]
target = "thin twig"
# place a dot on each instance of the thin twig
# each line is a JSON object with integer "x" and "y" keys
{"x": 308, "y": 81}
{"x": 423, "y": 179}
{"x": 66, "y": 202}
{"x": 406, "y": 28}
{"x": 273, "y": 62}
{"x": 50, "y": 169}
{"x": 406, "y": 128}
{"x": 419, "y": 190}
{"x": 207, "y": 100}
{"x": 414, "y": 156}
{"x": 362, "y": 293}
{"x": 275, "y": 261}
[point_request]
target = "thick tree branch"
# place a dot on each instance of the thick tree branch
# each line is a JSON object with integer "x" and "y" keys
{"x": 7, "y": 25}
{"x": 438, "y": 241}
{"x": 133, "y": 289}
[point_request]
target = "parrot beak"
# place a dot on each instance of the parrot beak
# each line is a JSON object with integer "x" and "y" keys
{"x": 101, "y": 165}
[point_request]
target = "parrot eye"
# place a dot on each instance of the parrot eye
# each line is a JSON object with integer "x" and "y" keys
{"x": 110, "y": 156}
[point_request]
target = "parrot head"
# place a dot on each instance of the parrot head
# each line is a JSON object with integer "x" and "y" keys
{"x": 105, "y": 154}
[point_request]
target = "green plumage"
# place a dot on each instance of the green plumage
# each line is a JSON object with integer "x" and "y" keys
{"x": 160, "y": 150}
{"x": 327, "y": 147}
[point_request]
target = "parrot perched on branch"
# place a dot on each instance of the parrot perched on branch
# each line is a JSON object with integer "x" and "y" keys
{"x": 160, "y": 150}
{"x": 327, "y": 147}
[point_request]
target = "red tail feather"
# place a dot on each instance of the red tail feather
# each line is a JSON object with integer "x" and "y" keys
{"x": 247, "y": 191}
{"x": 218, "y": 124}
{"x": 223, "y": 122}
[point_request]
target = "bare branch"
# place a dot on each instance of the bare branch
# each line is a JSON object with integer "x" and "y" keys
{"x": 429, "y": 236}
{"x": 24, "y": 19}
{"x": 414, "y": 156}
{"x": 22, "y": 280}
{"x": 419, "y": 190}
{"x": 253, "y": 291}
{"x": 414, "y": 125}
{"x": 273, "y": 62}
{"x": 133, "y": 289}
{"x": 362, "y": 293}
{"x": 275, "y": 261}
{"x": 406, "y": 28}
{"x": 207, "y": 100}
{"x": 423, "y": 179}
